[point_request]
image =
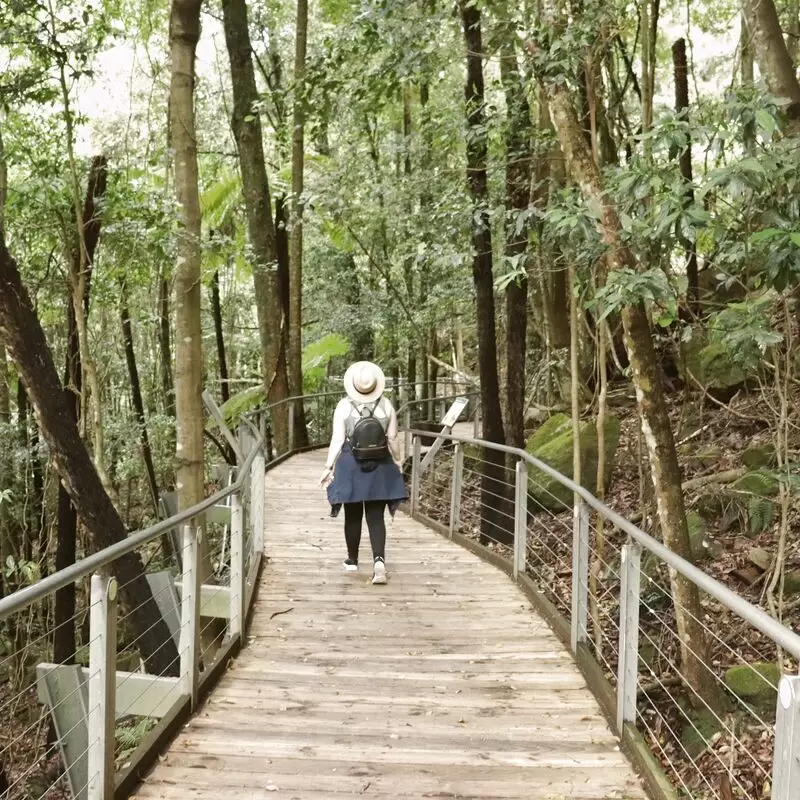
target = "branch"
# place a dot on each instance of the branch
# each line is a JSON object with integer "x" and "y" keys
{"x": 385, "y": 275}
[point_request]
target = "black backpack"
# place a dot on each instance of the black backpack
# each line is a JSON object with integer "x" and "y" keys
{"x": 368, "y": 440}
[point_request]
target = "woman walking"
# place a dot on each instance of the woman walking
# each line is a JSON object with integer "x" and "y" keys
{"x": 363, "y": 468}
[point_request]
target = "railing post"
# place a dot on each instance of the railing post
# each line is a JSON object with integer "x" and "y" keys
{"x": 628, "y": 666}
{"x": 580, "y": 572}
{"x": 415, "y": 464}
{"x": 290, "y": 407}
{"x": 407, "y": 432}
{"x": 190, "y": 612}
{"x": 455, "y": 488}
{"x": 102, "y": 686}
{"x": 257, "y": 500}
{"x": 476, "y": 420}
{"x": 786, "y": 756}
{"x": 237, "y": 593}
{"x": 520, "y": 518}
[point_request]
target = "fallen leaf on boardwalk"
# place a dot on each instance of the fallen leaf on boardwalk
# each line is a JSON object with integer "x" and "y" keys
{"x": 271, "y": 787}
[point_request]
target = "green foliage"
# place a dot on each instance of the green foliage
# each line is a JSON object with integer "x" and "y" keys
{"x": 21, "y": 572}
{"x": 238, "y": 405}
{"x": 317, "y": 356}
{"x": 625, "y": 288}
{"x": 760, "y": 514}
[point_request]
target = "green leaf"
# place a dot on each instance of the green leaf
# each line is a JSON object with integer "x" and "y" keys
{"x": 766, "y": 121}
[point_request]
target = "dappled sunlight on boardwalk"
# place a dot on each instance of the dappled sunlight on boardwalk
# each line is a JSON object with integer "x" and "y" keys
{"x": 444, "y": 683}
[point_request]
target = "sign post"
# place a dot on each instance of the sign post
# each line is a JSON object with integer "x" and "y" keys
{"x": 447, "y": 423}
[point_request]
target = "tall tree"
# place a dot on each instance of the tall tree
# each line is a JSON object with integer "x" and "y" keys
{"x": 685, "y": 163}
{"x": 25, "y": 340}
{"x": 136, "y": 398}
{"x": 518, "y": 182}
{"x": 184, "y": 35}
{"x": 493, "y": 520}
{"x": 296, "y": 238}
{"x": 246, "y": 125}
{"x": 655, "y": 422}
{"x": 773, "y": 57}
{"x": 83, "y": 252}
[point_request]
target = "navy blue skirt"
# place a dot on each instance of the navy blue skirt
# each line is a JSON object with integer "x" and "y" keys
{"x": 376, "y": 480}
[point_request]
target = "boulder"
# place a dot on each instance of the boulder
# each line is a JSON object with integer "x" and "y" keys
{"x": 700, "y": 728}
{"x": 755, "y": 684}
{"x": 697, "y": 535}
{"x": 759, "y": 456}
{"x": 552, "y": 443}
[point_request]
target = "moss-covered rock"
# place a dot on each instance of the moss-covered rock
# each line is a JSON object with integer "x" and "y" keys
{"x": 754, "y": 683}
{"x": 705, "y": 456}
{"x": 552, "y": 443}
{"x": 711, "y": 362}
{"x": 699, "y": 730}
{"x": 551, "y": 429}
{"x": 759, "y": 456}
{"x": 697, "y": 535}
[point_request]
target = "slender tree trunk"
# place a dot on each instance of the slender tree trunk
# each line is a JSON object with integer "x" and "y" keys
{"x": 246, "y": 125}
{"x": 655, "y": 421}
{"x": 296, "y": 238}
{"x": 26, "y": 342}
{"x": 773, "y": 58}
{"x": 494, "y": 522}
{"x": 136, "y": 398}
{"x": 685, "y": 162}
{"x": 165, "y": 350}
{"x": 216, "y": 311}
{"x": 518, "y": 182}
{"x": 747, "y": 75}
{"x": 7, "y": 545}
{"x": 184, "y": 35}
{"x": 66, "y": 547}
{"x": 408, "y": 265}
{"x": 295, "y": 357}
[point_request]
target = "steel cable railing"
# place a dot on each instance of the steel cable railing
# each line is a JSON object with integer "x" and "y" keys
{"x": 609, "y": 596}
{"x": 107, "y": 711}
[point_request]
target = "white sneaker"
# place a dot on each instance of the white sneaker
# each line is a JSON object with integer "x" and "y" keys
{"x": 350, "y": 565}
{"x": 379, "y": 572}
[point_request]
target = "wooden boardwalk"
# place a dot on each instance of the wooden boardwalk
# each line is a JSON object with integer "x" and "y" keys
{"x": 442, "y": 684}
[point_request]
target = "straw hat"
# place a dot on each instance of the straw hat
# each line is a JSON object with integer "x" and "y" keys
{"x": 364, "y": 382}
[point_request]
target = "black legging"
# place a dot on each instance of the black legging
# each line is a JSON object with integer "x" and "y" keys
{"x": 353, "y": 514}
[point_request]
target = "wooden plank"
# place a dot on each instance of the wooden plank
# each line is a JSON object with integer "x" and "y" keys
{"x": 442, "y": 683}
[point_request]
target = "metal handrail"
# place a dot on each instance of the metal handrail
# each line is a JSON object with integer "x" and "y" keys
{"x": 86, "y": 566}
{"x": 750, "y": 613}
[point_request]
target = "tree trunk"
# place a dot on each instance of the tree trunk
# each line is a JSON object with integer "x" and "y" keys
{"x": 685, "y": 163}
{"x": 773, "y": 58}
{"x": 216, "y": 311}
{"x": 518, "y": 182}
{"x": 246, "y": 125}
{"x": 494, "y": 522}
{"x": 184, "y": 35}
{"x": 408, "y": 264}
{"x": 136, "y": 398}
{"x": 295, "y": 338}
{"x": 296, "y": 236}
{"x": 26, "y": 342}
{"x": 81, "y": 271}
{"x": 7, "y": 546}
{"x": 747, "y": 75}
{"x": 655, "y": 421}
{"x": 167, "y": 384}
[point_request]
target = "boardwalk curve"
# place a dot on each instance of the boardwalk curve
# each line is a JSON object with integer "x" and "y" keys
{"x": 442, "y": 684}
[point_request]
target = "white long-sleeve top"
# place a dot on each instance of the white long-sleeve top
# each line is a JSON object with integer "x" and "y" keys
{"x": 346, "y": 412}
